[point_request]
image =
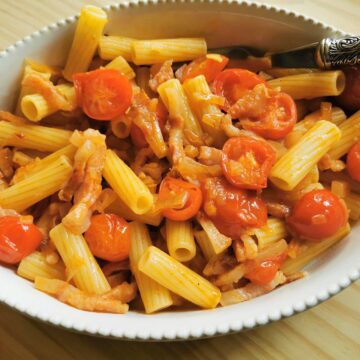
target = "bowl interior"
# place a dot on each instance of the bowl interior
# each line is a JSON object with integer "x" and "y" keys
{"x": 222, "y": 24}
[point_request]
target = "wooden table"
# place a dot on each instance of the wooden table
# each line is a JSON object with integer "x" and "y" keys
{"x": 331, "y": 330}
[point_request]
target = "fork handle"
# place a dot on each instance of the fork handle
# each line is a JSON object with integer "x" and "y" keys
{"x": 332, "y": 53}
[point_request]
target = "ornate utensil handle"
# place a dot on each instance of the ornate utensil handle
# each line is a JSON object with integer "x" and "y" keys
{"x": 333, "y": 53}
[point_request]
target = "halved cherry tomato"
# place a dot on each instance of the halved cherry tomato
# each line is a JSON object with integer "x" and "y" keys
{"x": 246, "y": 162}
{"x": 209, "y": 65}
{"x": 137, "y": 136}
{"x": 261, "y": 272}
{"x": 108, "y": 237}
{"x": 17, "y": 239}
{"x": 317, "y": 215}
{"x": 277, "y": 119}
{"x": 350, "y": 97}
{"x": 353, "y": 162}
{"x": 171, "y": 186}
{"x": 103, "y": 94}
{"x": 233, "y": 83}
{"x": 232, "y": 210}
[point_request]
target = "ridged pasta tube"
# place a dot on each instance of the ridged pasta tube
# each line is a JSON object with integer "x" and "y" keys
{"x": 311, "y": 85}
{"x": 154, "y": 296}
{"x": 80, "y": 263}
{"x": 300, "y": 159}
{"x": 130, "y": 189}
{"x": 38, "y": 186}
{"x": 88, "y": 31}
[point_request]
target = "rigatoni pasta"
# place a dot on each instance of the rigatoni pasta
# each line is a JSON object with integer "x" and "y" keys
{"x": 180, "y": 240}
{"x": 81, "y": 265}
{"x": 111, "y": 47}
{"x": 290, "y": 169}
{"x": 36, "y": 265}
{"x": 156, "y": 51}
{"x": 35, "y": 137}
{"x": 174, "y": 98}
{"x": 168, "y": 272}
{"x": 38, "y": 186}
{"x": 311, "y": 85}
{"x": 154, "y": 296}
{"x": 88, "y": 31}
{"x": 131, "y": 190}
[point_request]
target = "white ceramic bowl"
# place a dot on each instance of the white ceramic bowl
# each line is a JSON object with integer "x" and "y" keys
{"x": 222, "y": 23}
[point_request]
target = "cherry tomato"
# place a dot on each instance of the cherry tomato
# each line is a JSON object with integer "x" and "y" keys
{"x": 176, "y": 186}
{"x": 350, "y": 97}
{"x": 103, "y": 94}
{"x": 209, "y": 65}
{"x": 261, "y": 272}
{"x": 277, "y": 119}
{"x": 317, "y": 215}
{"x": 109, "y": 237}
{"x": 232, "y": 210}
{"x": 17, "y": 240}
{"x": 246, "y": 162}
{"x": 137, "y": 136}
{"x": 233, "y": 83}
{"x": 353, "y": 162}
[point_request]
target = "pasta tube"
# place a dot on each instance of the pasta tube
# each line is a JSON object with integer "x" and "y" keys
{"x": 35, "y": 107}
{"x": 178, "y": 278}
{"x": 38, "y": 186}
{"x": 196, "y": 90}
{"x": 120, "y": 64}
{"x": 205, "y": 245}
{"x": 111, "y": 47}
{"x": 118, "y": 207}
{"x": 311, "y": 85}
{"x": 146, "y": 52}
{"x": 38, "y": 165}
{"x": 33, "y": 137}
{"x": 121, "y": 127}
{"x": 337, "y": 117}
{"x": 26, "y": 90}
{"x": 88, "y": 31}
{"x": 173, "y": 96}
{"x": 36, "y": 265}
{"x": 273, "y": 231}
{"x": 180, "y": 240}
{"x": 80, "y": 263}
{"x": 131, "y": 190}
{"x": 313, "y": 250}
{"x": 154, "y": 296}
{"x": 298, "y": 161}
{"x": 350, "y": 134}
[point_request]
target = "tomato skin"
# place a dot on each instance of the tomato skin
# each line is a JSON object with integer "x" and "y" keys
{"x": 192, "y": 205}
{"x": 204, "y": 65}
{"x": 231, "y": 209}
{"x": 17, "y": 240}
{"x": 137, "y": 136}
{"x": 253, "y": 172}
{"x": 261, "y": 272}
{"x": 233, "y": 83}
{"x": 353, "y": 162}
{"x": 103, "y": 94}
{"x": 277, "y": 120}
{"x": 317, "y": 215}
{"x": 350, "y": 97}
{"x": 108, "y": 237}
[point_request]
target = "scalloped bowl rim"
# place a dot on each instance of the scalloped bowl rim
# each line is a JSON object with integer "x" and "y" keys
{"x": 188, "y": 330}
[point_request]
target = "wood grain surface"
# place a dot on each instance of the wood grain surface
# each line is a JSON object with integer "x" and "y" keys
{"x": 328, "y": 331}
